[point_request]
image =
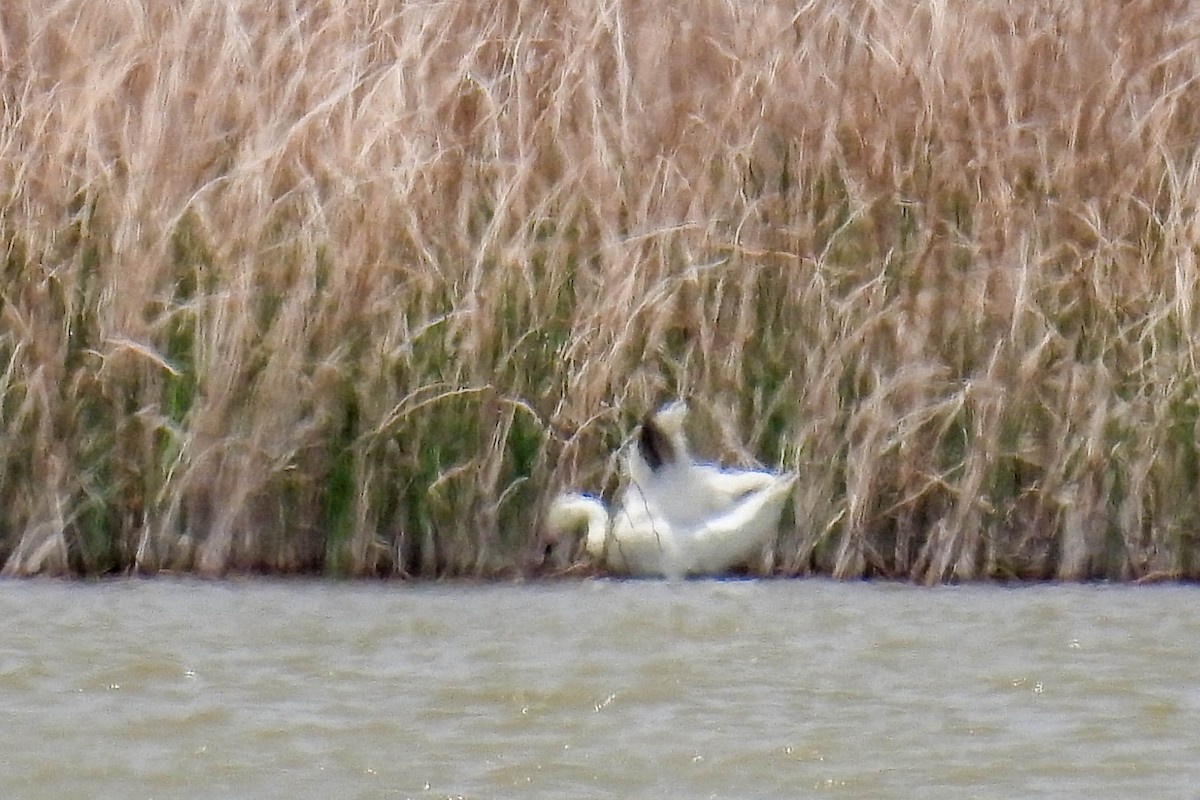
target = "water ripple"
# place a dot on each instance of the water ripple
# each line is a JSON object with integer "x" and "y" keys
{"x": 598, "y": 688}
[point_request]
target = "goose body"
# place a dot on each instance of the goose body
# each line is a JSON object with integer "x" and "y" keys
{"x": 676, "y": 517}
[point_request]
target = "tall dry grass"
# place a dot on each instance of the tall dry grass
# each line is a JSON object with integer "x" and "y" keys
{"x": 353, "y": 286}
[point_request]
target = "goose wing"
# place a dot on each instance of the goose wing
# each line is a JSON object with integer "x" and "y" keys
{"x": 734, "y": 537}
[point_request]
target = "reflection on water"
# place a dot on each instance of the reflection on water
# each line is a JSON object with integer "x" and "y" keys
{"x": 735, "y": 689}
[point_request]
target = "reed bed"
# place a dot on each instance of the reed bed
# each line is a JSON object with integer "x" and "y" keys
{"x": 354, "y": 287}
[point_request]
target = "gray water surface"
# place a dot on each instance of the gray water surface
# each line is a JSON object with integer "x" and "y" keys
{"x": 612, "y": 689}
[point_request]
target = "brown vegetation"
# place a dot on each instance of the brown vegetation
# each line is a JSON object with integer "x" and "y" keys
{"x": 352, "y": 286}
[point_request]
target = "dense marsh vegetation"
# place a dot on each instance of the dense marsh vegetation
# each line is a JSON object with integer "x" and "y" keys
{"x": 354, "y": 286}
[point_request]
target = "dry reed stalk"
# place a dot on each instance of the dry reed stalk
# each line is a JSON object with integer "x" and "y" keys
{"x": 321, "y": 285}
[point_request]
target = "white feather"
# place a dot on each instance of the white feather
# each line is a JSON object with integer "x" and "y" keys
{"x": 678, "y": 517}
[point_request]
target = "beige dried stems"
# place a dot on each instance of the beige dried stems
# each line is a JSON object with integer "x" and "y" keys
{"x": 353, "y": 286}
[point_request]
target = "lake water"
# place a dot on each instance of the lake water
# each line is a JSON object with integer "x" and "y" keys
{"x": 597, "y": 689}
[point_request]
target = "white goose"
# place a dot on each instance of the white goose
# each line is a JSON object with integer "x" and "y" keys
{"x": 676, "y": 517}
{"x": 685, "y": 491}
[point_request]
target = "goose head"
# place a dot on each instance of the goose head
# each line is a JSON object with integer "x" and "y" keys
{"x": 571, "y": 512}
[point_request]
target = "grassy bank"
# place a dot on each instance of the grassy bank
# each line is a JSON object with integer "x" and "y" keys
{"x": 353, "y": 287}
